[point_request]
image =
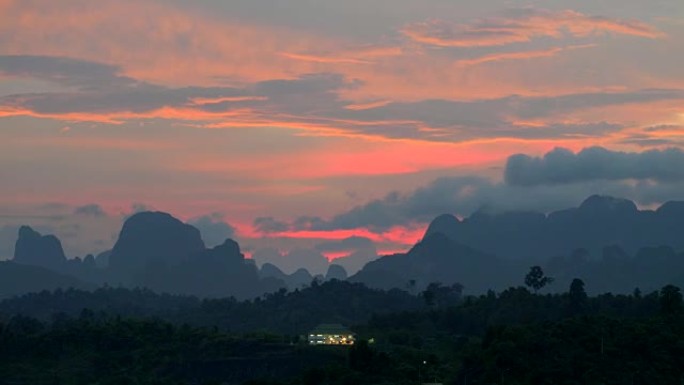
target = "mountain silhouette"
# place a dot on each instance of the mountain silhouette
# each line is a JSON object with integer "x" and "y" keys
{"x": 336, "y": 272}
{"x": 221, "y": 271}
{"x": 300, "y": 278}
{"x": 616, "y": 271}
{"x": 600, "y": 221}
{"x": 269, "y": 271}
{"x": 35, "y": 249}
{"x": 272, "y": 271}
{"x": 150, "y": 240}
{"x": 157, "y": 251}
{"x": 605, "y": 241}
{"x": 18, "y": 279}
{"x": 438, "y": 258}
{"x": 297, "y": 280}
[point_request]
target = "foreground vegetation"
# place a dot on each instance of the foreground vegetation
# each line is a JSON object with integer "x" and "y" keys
{"x": 513, "y": 337}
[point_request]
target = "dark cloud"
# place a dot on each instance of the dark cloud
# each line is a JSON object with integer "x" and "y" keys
{"x": 442, "y": 195}
{"x": 314, "y": 100}
{"x": 537, "y": 107}
{"x": 647, "y": 141}
{"x": 562, "y": 166}
{"x": 139, "y": 99}
{"x": 214, "y": 229}
{"x": 140, "y": 207}
{"x": 308, "y": 222}
{"x": 494, "y": 113}
{"x": 663, "y": 127}
{"x": 522, "y": 25}
{"x": 100, "y": 88}
{"x": 64, "y": 71}
{"x": 136, "y": 208}
{"x": 333, "y": 18}
{"x": 93, "y": 210}
{"x": 319, "y": 84}
{"x": 268, "y": 225}
{"x": 463, "y": 120}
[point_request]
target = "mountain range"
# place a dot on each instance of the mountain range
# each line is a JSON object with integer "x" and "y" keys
{"x": 607, "y": 241}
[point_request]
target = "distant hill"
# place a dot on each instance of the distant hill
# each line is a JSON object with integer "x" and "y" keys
{"x": 154, "y": 250}
{"x": 293, "y": 312}
{"x": 598, "y": 222}
{"x": 606, "y": 241}
{"x": 218, "y": 272}
{"x": 438, "y": 258}
{"x": 616, "y": 271}
{"x": 45, "y": 251}
{"x": 17, "y": 279}
{"x": 297, "y": 280}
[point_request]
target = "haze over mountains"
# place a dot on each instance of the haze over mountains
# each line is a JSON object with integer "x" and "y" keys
{"x": 607, "y": 241}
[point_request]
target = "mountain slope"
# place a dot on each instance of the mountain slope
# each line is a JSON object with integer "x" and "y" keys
{"x": 18, "y": 279}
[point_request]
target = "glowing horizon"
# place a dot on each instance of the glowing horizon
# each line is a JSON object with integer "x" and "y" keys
{"x": 308, "y": 117}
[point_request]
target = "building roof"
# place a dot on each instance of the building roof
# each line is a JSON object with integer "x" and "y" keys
{"x": 335, "y": 329}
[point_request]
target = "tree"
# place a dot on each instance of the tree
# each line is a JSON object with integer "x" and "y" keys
{"x": 429, "y": 297}
{"x": 536, "y": 280}
{"x": 438, "y": 294}
{"x": 577, "y": 296}
{"x": 411, "y": 286}
{"x": 670, "y": 300}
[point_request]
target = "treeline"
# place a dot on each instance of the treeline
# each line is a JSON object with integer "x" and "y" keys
{"x": 513, "y": 337}
{"x": 584, "y": 350}
{"x": 283, "y": 312}
{"x": 521, "y": 337}
{"x": 517, "y": 306}
{"x": 95, "y": 350}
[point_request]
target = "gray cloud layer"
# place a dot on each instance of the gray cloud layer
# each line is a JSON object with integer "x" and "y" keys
{"x": 521, "y": 26}
{"x": 313, "y": 100}
{"x": 64, "y": 71}
{"x": 562, "y": 166}
{"x": 270, "y": 225}
{"x": 93, "y": 210}
{"x": 214, "y": 229}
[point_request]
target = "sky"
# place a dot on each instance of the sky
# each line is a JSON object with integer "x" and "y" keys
{"x": 314, "y": 129}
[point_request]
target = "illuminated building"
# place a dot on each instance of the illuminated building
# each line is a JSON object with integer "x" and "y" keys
{"x": 331, "y": 334}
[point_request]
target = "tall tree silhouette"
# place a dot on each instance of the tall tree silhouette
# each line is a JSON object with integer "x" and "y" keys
{"x": 536, "y": 279}
{"x": 577, "y": 296}
{"x": 670, "y": 300}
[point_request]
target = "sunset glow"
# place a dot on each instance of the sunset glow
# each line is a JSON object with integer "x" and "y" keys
{"x": 322, "y": 121}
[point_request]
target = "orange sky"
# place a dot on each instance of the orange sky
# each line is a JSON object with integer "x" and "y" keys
{"x": 252, "y": 110}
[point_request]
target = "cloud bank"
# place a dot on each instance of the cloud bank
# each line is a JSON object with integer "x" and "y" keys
{"x": 562, "y": 166}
